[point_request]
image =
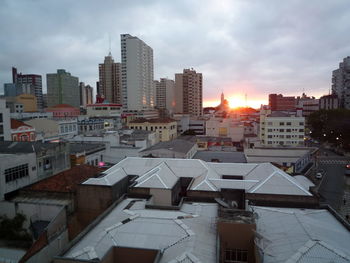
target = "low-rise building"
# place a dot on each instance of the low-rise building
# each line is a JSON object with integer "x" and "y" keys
{"x": 104, "y": 110}
{"x": 23, "y": 163}
{"x": 329, "y": 102}
{"x": 28, "y": 101}
{"x": 86, "y": 153}
{"x": 31, "y": 115}
{"x": 64, "y": 111}
{"x": 53, "y": 130}
{"x": 280, "y": 128}
{"x": 165, "y": 128}
{"x": 87, "y": 125}
{"x": 225, "y": 127}
{"x": 22, "y": 132}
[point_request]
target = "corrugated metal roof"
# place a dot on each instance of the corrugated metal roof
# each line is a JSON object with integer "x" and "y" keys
{"x": 285, "y": 232}
{"x": 191, "y": 237}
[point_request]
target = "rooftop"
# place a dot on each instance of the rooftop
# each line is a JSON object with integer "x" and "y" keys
{"x": 158, "y": 120}
{"x": 263, "y": 178}
{"x": 85, "y": 147}
{"x": 177, "y": 145}
{"x": 66, "y": 181}
{"x": 220, "y": 156}
{"x": 187, "y": 235}
{"x": 301, "y": 235}
{"x": 10, "y": 147}
{"x": 15, "y": 124}
{"x": 62, "y": 106}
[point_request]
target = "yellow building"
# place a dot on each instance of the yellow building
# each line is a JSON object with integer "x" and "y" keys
{"x": 29, "y": 102}
{"x": 165, "y": 128}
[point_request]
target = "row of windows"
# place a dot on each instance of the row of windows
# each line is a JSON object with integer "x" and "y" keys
{"x": 236, "y": 255}
{"x": 68, "y": 128}
{"x": 285, "y": 142}
{"x": 285, "y": 130}
{"x": 285, "y": 136}
{"x": 152, "y": 127}
{"x": 14, "y": 173}
{"x": 284, "y": 123}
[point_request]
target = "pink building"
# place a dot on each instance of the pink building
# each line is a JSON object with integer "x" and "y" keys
{"x": 64, "y": 111}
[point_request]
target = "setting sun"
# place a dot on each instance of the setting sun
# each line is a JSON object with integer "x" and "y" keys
{"x": 236, "y": 101}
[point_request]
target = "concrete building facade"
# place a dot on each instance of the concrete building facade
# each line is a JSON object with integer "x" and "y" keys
{"x": 35, "y": 82}
{"x": 329, "y": 102}
{"x": 189, "y": 92}
{"x": 341, "y": 83}
{"x": 165, "y": 94}
{"x": 137, "y": 74}
{"x": 110, "y": 80}
{"x": 62, "y": 88}
{"x": 279, "y": 128}
{"x": 281, "y": 103}
{"x": 86, "y": 94}
{"x": 5, "y": 126}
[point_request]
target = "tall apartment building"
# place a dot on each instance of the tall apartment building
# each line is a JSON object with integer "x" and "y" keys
{"x": 189, "y": 92}
{"x": 138, "y": 91}
{"x": 281, "y": 103}
{"x": 341, "y": 83}
{"x": 62, "y": 88}
{"x": 5, "y": 126}
{"x": 165, "y": 94}
{"x": 110, "y": 80}
{"x": 86, "y": 94}
{"x": 35, "y": 82}
{"x": 281, "y": 129}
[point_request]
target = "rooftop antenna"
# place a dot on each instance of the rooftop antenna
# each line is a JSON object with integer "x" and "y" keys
{"x": 110, "y": 53}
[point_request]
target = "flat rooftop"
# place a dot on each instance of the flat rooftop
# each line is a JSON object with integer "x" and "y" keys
{"x": 184, "y": 236}
{"x": 223, "y": 157}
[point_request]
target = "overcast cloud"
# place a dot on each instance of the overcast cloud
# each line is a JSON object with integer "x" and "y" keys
{"x": 254, "y": 47}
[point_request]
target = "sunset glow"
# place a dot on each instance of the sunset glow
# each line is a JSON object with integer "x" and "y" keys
{"x": 236, "y": 101}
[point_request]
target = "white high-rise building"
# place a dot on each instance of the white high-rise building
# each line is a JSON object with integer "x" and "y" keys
{"x": 138, "y": 92}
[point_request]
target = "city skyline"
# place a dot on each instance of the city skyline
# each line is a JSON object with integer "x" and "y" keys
{"x": 282, "y": 50}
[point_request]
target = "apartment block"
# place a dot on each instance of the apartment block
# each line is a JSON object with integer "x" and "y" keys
{"x": 165, "y": 94}
{"x": 329, "y": 102}
{"x": 189, "y": 92}
{"x": 86, "y": 94}
{"x": 281, "y": 103}
{"x": 341, "y": 83}
{"x": 138, "y": 91}
{"x": 35, "y": 85}
{"x": 279, "y": 128}
{"x": 109, "y": 85}
{"x": 62, "y": 88}
{"x": 5, "y": 126}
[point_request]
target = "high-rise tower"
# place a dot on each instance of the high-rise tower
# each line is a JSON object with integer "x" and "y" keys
{"x": 341, "y": 83}
{"x": 189, "y": 92}
{"x": 110, "y": 80}
{"x": 138, "y": 92}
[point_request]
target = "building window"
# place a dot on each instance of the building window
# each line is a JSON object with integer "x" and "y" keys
{"x": 269, "y": 130}
{"x": 281, "y": 123}
{"x": 269, "y": 123}
{"x": 289, "y": 123}
{"x": 236, "y": 255}
{"x": 0, "y": 117}
{"x": 15, "y": 173}
{"x": 301, "y": 130}
{"x": 281, "y": 130}
{"x": 301, "y": 123}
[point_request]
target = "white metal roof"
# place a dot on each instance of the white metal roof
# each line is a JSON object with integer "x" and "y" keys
{"x": 192, "y": 236}
{"x": 285, "y": 234}
{"x": 163, "y": 173}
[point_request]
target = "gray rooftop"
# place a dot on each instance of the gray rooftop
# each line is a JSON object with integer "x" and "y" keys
{"x": 301, "y": 235}
{"x": 10, "y": 147}
{"x": 189, "y": 233}
{"x": 177, "y": 145}
{"x": 223, "y": 157}
{"x": 85, "y": 147}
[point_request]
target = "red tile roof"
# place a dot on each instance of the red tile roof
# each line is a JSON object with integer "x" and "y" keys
{"x": 66, "y": 181}
{"x": 16, "y": 124}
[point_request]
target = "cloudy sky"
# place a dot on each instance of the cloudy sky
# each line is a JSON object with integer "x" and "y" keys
{"x": 241, "y": 46}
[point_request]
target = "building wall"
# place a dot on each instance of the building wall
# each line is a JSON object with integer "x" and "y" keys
{"x": 23, "y": 172}
{"x": 190, "y": 84}
{"x": 166, "y": 130}
{"x": 137, "y": 74}
{"x": 28, "y": 101}
{"x": 161, "y": 196}
{"x": 5, "y": 124}
{"x": 341, "y": 83}
{"x": 62, "y": 88}
{"x": 23, "y": 134}
{"x": 110, "y": 80}
{"x": 329, "y": 102}
{"x": 165, "y": 94}
{"x": 218, "y": 127}
{"x": 64, "y": 112}
{"x": 104, "y": 110}
{"x": 281, "y": 103}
